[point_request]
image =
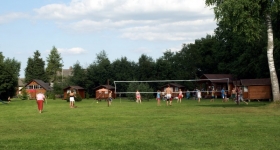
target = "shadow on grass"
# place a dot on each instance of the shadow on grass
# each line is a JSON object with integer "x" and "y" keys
{"x": 228, "y": 105}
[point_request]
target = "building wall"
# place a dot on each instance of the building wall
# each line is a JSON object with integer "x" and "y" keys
{"x": 33, "y": 88}
{"x": 259, "y": 92}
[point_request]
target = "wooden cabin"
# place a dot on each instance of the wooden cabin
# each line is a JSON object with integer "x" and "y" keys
{"x": 217, "y": 81}
{"x": 36, "y": 86}
{"x": 102, "y": 92}
{"x": 174, "y": 87}
{"x": 77, "y": 89}
{"x": 256, "y": 89}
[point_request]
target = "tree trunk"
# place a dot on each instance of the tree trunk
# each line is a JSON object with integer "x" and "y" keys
{"x": 273, "y": 74}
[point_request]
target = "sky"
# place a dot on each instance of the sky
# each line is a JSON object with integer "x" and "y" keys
{"x": 81, "y": 29}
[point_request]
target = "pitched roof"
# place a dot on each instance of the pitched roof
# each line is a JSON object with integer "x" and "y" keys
{"x": 248, "y": 82}
{"x": 46, "y": 86}
{"x": 74, "y": 87}
{"x": 65, "y": 72}
{"x": 173, "y": 85}
{"x": 218, "y": 78}
{"x": 109, "y": 87}
{"x": 21, "y": 82}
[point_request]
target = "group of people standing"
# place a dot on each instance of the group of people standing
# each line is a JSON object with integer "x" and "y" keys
{"x": 167, "y": 94}
{"x": 236, "y": 95}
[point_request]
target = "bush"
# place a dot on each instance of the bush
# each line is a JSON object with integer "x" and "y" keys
{"x": 24, "y": 95}
{"x": 87, "y": 96}
{"x": 50, "y": 95}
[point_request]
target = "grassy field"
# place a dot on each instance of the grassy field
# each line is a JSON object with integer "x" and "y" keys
{"x": 130, "y": 126}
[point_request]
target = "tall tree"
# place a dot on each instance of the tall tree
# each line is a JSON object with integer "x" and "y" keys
{"x": 146, "y": 68}
{"x": 9, "y": 72}
{"x": 247, "y": 18}
{"x": 123, "y": 70}
{"x": 78, "y": 75}
{"x": 166, "y": 67}
{"x": 104, "y": 68}
{"x": 54, "y": 64}
{"x": 98, "y": 72}
{"x": 35, "y": 68}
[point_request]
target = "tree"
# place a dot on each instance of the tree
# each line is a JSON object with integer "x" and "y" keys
{"x": 232, "y": 51}
{"x": 103, "y": 65}
{"x": 35, "y": 68}
{"x": 144, "y": 87}
{"x": 78, "y": 75}
{"x": 54, "y": 64}
{"x": 247, "y": 18}
{"x": 120, "y": 72}
{"x": 9, "y": 72}
{"x": 146, "y": 68}
{"x": 98, "y": 72}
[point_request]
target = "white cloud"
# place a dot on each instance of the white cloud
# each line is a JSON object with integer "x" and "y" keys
{"x": 142, "y": 50}
{"x": 112, "y": 8}
{"x": 173, "y": 49}
{"x": 71, "y": 51}
{"x": 134, "y": 19}
{"x": 181, "y": 30}
{"x": 12, "y": 16}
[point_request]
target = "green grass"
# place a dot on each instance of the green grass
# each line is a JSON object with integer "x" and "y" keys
{"x": 130, "y": 126}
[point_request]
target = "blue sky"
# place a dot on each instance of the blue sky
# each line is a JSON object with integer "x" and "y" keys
{"x": 80, "y": 29}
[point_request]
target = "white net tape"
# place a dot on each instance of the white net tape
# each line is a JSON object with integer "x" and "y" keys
{"x": 224, "y": 80}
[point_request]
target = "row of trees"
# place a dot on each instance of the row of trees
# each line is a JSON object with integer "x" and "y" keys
{"x": 240, "y": 46}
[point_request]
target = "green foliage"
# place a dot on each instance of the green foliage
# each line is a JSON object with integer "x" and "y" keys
{"x": 244, "y": 17}
{"x": 24, "y": 95}
{"x": 57, "y": 88}
{"x": 87, "y": 95}
{"x": 9, "y": 72}
{"x": 35, "y": 68}
{"x": 51, "y": 95}
{"x": 54, "y": 65}
{"x": 78, "y": 76}
{"x": 134, "y": 86}
{"x": 98, "y": 73}
{"x": 78, "y": 97}
{"x": 146, "y": 68}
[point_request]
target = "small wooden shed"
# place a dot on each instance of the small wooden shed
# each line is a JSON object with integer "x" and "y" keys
{"x": 102, "y": 92}
{"x": 79, "y": 90}
{"x": 256, "y": 89}
{"x": 174, "y": 87}
{"x": 36, "y": 86}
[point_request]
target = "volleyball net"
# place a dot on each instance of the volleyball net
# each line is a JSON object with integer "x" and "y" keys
{"x": 149, "y": 88}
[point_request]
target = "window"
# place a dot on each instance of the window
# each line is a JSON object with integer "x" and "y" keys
{"x": 245, "y": 89}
